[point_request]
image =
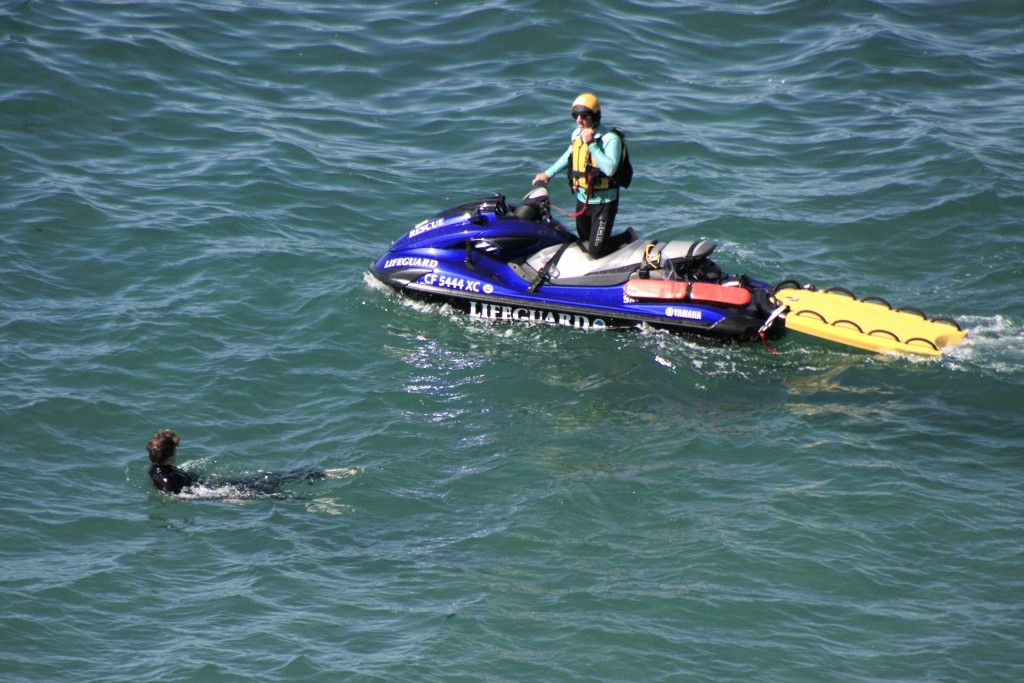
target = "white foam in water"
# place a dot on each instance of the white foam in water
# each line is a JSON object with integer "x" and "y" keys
{"x": 994, "y": 343}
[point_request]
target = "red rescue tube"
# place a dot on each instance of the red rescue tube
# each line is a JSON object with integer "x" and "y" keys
{"x": 698, "y": 292}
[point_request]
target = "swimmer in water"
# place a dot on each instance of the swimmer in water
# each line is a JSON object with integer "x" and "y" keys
{"x": 163, "y": 447}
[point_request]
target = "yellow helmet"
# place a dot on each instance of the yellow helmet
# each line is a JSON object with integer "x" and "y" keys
{"x": 587, "y": 104}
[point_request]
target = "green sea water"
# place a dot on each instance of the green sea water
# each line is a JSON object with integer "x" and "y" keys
{"x": 192, "y": 193}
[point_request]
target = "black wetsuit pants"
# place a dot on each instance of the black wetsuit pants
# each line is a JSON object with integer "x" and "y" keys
{"x": 594, "y": 225}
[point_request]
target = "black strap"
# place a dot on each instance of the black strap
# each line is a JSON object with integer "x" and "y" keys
{"x": 542, "y": 274}
{"x": 686, "y": 267}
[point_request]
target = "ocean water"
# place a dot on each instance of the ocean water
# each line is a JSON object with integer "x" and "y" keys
{"x": 192, "y": 193}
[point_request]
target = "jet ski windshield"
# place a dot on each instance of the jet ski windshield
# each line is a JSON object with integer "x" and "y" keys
{"x": 495, "y": 204}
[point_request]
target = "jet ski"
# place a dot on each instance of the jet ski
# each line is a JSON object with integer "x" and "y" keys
{"x": 519, "y": 264}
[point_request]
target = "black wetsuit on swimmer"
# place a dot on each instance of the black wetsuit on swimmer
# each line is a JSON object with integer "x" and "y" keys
{"x": 170, "y": 479}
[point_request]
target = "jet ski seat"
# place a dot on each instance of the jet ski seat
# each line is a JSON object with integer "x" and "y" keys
{"x": 576, "y": 267}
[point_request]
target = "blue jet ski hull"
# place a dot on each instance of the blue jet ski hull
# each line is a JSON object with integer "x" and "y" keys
{"x": 520, "y": 265}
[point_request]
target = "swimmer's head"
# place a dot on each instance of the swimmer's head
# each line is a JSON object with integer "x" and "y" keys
{"x": 162, "y": 447}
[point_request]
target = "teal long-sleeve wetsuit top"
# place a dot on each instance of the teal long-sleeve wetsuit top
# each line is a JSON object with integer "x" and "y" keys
{"x": 606, "y": 151}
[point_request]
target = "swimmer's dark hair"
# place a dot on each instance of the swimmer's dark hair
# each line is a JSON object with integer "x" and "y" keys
{"x": 163, "y": 446}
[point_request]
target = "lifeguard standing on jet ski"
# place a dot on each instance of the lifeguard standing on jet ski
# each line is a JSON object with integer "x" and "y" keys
{"x": 598, "y": 166}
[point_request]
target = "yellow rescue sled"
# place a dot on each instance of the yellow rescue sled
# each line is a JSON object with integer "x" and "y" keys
{"x": 869, "y": 323}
